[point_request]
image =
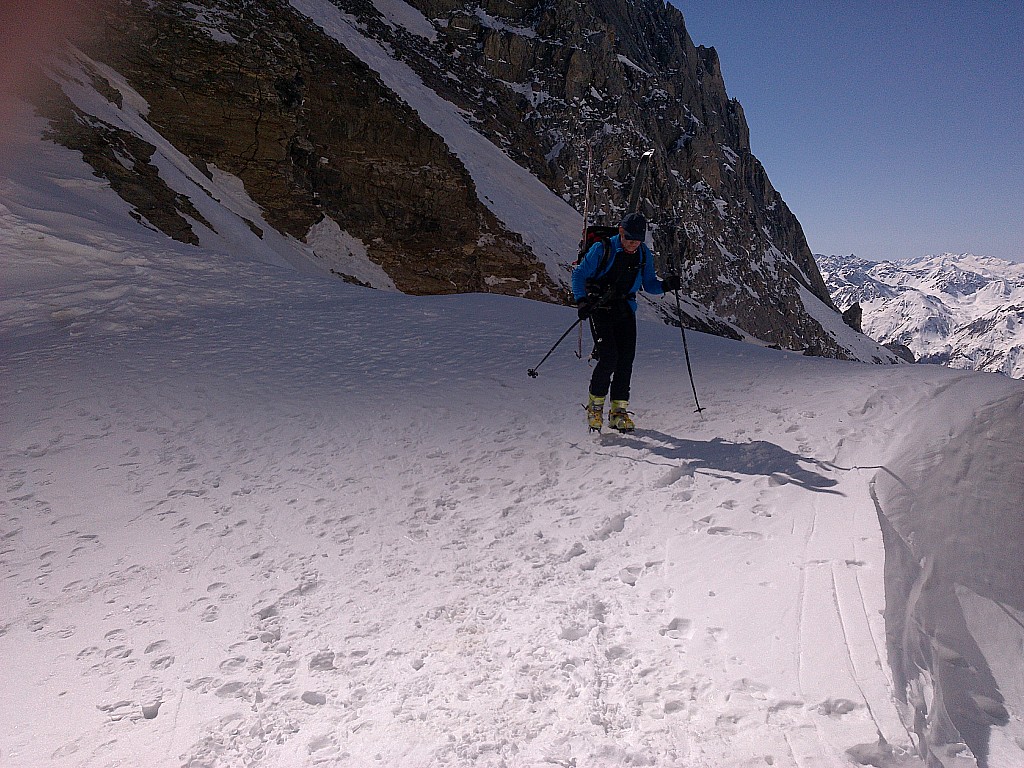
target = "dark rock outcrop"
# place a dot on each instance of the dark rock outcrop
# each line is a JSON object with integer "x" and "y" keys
{"x": 902, "y": 351}
{"x": 853, "y": 315}
{"x": 311, "y": 132}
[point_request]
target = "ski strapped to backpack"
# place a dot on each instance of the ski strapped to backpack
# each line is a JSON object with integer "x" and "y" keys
{"x": 602, "y": 233}
{"x": 594, "y": 233}
{"x": 598, "y": 233}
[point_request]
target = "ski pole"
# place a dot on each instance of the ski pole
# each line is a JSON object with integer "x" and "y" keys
{"x": 533, "y": 371}
{"x": 586, "y": 191}
{"x": 686, "y": 349}
{"x": 583, "y": 237}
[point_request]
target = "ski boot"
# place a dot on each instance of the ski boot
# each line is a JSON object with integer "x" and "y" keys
{"x": 618, "y": 417}
{"x": 595, "y": 413}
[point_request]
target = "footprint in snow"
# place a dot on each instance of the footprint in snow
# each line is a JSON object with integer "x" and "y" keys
{"x": 703, "y": 523}
{"x": 615, "y": 524}
{"x": 575, "y": 550}
{"x": 724, "y": 530}
{"x": 324, "y": 747}
{"x": 630, "y": 575}
{"x": 678, "y": 629}
{"x": 835, "y": 707}
{"x": 236, "y": 689}
{"x": 718, "y": 634}
{"x": 675, "y": 475}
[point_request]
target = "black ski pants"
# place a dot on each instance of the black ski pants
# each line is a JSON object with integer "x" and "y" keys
{"x": 614, "y": 331}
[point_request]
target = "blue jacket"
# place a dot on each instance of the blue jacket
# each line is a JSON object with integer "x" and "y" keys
{"x": 587, "y": 269}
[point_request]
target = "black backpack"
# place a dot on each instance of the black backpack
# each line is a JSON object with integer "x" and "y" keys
{"x": 603, "y": 234}
{"x": 597, "y": 233}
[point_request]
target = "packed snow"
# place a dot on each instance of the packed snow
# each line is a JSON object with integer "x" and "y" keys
{"x": 256, "y": 516}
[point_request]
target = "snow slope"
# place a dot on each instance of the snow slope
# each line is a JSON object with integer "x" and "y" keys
{"x": 263, "y": 518}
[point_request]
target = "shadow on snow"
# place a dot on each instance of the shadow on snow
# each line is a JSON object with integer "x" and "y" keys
{"x": 758, "y": 457}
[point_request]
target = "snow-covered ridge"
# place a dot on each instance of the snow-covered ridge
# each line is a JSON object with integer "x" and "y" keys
{"x": 961, "y": 310}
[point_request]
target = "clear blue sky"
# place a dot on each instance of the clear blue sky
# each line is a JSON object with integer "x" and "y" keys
{"x": 892, "y": 130}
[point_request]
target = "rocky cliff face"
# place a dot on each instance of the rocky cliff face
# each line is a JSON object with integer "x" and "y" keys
{"x": 254, "y": 90}
{"x": 546, "y": 79}
{"x": 261, "y": 91}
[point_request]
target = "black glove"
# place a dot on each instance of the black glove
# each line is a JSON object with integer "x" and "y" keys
{"x": 585, "y": 306}
{"x": 671, "y": 283}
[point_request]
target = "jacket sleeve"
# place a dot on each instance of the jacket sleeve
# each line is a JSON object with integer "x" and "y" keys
{"x": 585, "y": 270}
{"x": 648, "y": 277}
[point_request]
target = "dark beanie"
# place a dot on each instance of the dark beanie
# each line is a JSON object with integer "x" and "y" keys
{"x": 634, "y": 226}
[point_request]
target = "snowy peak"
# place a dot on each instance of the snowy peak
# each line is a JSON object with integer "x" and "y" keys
{"x": 952, "y": 274}
{"x": 961, "y": 310}
{"x": 988, "y": 266}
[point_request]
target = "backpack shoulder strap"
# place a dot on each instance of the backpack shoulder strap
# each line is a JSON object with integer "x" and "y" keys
{"x": 606, "y": 255}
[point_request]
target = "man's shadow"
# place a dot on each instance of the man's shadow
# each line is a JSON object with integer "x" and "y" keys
{"x": 758, "y": 457}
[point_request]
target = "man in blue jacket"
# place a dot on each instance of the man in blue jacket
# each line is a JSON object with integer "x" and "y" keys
{"x": 605, "y": 287}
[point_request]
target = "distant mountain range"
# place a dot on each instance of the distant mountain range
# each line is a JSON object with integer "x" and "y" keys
{"x": 960, "y": 310}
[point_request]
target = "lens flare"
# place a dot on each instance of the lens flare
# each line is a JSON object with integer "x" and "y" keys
{"x": 32, "y": 32}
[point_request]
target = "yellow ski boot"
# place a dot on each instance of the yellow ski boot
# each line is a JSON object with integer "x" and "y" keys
{"x": 618, "y": 417}
{"x": 595, "y": 413}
